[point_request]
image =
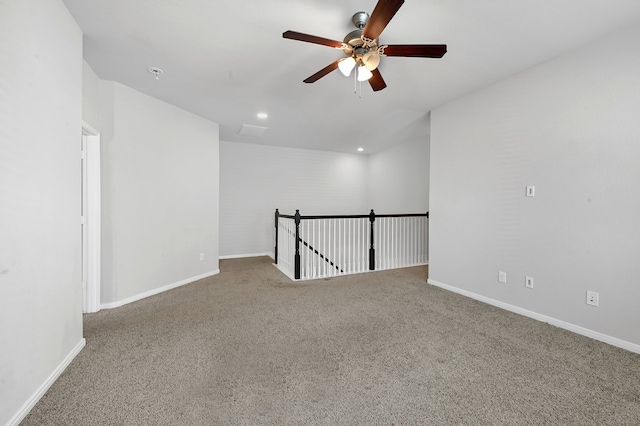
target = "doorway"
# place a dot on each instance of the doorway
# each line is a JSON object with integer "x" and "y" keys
{"x": 90, "y": 218}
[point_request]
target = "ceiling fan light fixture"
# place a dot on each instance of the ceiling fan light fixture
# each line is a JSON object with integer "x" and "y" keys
{"x": 371, "y": 60}
{"x": 363, "y": 49}
{"x": 363, "y": 73}
{"x": 346, "y": 65}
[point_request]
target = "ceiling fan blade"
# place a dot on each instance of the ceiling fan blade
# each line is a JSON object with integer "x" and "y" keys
{"x": 377, "y": 82}
{"x": 416, "y": 50}
{"x": 380, "y": 17}
{"x": 324, "y": 71}
{"x": 293, "y": 35}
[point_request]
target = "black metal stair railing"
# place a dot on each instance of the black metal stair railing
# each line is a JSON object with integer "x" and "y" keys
{"x": 398, "y": 241}
{"x": 305, "y": 243}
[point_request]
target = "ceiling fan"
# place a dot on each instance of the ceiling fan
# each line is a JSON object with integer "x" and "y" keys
{"x": 363, "y": 49}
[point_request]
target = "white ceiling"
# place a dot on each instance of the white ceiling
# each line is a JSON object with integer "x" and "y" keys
{"x": 226, "y": 60}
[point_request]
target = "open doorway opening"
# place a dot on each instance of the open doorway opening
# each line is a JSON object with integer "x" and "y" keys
{"x": 90, "y": 218}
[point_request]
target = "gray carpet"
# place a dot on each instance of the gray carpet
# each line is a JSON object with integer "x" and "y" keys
{"x": 251, "y": 347}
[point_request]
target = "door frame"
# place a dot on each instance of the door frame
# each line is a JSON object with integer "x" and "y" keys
{"x": 92, "y": 222}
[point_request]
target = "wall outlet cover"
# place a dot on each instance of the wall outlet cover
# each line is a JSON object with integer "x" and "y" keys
{"x": 593, "y": 298}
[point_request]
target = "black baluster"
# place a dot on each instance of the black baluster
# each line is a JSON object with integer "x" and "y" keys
{"x": 297, "y": 255}
{"x": 372, "y": 250}
{"x": 276, "y": 249}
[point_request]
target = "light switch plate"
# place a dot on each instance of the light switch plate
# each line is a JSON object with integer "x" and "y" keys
{"x": 528, "y": 282}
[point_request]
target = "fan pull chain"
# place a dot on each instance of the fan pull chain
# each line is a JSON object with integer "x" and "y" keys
{"x": 355, "y": 81}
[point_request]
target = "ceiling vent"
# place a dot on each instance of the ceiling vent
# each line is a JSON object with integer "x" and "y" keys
{"x": 249, "y": 130}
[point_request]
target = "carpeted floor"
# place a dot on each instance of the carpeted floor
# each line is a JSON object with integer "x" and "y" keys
{"x": 251, "y": 347}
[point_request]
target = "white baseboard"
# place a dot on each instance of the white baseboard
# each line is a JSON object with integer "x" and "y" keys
{"x": 323, "y": 277}
{"x": 156, "y": 291}
{"x": 285, "y": 272}
{"x": 614, "y": 341}
{"x": 33, "y": 400}
{"x": 240, "y": 256}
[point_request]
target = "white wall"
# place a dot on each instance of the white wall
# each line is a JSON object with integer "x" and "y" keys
{"x": 40, "y": 133}
{"x": 399, "y": 176}
{"x": 160, "y": 183}
{"x": 90, "y": 96}
{"x": 570, "y": 127}
{"x": 256, "y": 179}
{"x": 106, "y": 95}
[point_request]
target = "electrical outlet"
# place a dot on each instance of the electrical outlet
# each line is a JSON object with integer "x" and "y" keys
{"x": 593, "y": 298}
{"x": 502, "y": 277}
{"x": 201, "y": 256}
{"x": 528, "y": 282}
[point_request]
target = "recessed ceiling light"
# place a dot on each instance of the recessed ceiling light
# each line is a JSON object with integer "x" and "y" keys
{"x": 263, "y": 115}
{"x": 360, "y": 149}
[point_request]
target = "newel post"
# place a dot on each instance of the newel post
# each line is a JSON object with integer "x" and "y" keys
{"x": 297, "y": 255}
{"x": 277, "y": 215}
{"x": 372, "y": 250}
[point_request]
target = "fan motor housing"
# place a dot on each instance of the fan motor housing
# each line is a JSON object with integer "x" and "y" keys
{"x": 354, "y": 41}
